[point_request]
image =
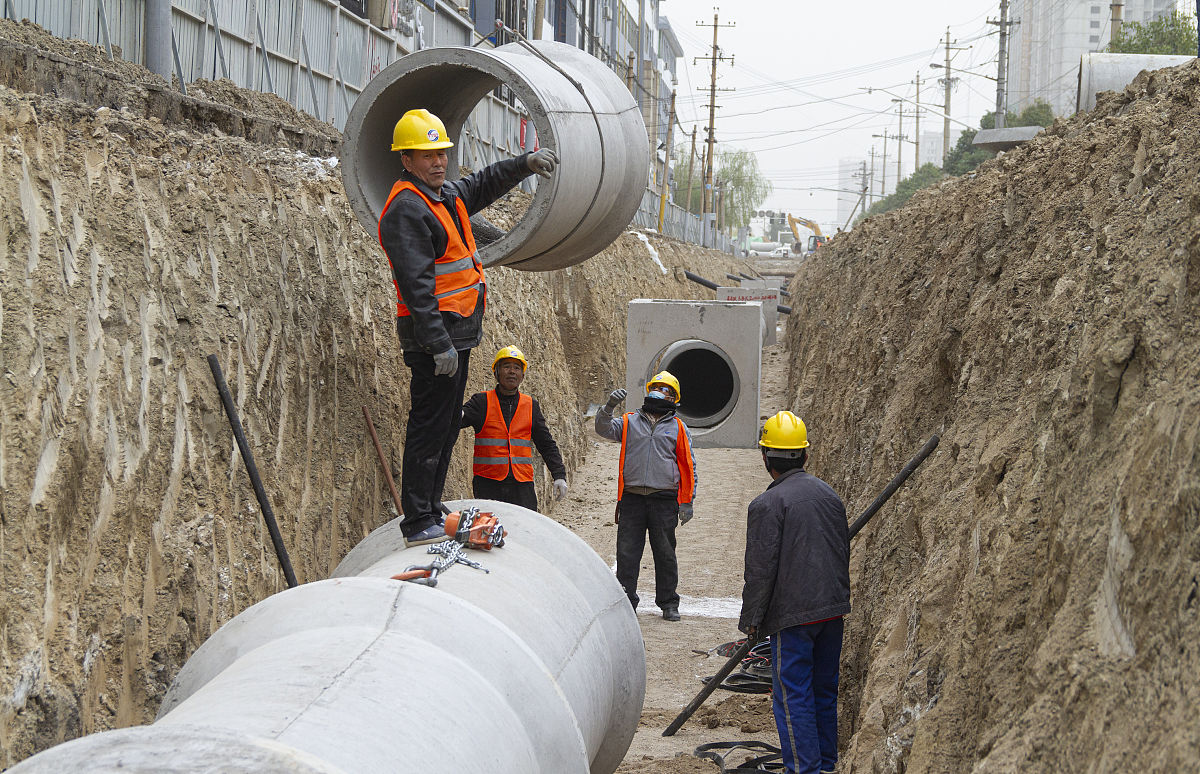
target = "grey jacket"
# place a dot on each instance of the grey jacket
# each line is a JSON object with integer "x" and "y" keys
{"x": 650, "y": 461}
{"x": 797, "y": 555}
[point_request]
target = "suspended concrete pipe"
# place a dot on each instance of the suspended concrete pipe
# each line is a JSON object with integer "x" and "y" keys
{"x": 714, "y": 349}
{"x": 578, "y": 106}
{"x": 537, "y": 665}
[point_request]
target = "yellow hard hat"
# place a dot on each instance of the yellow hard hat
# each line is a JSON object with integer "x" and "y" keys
{"x": 513, "y": 353}
{"x": 665, "y": 377}
{"x": 420, "y": 130}
{"x": 784, "y": 431}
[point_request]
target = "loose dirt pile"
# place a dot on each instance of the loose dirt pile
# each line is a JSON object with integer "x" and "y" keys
{"x": 1029, "y": 602}
{"x": 134, "y": 243}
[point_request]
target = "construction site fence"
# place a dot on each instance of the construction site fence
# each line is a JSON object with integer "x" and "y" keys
{"x": 677, "y": 222}
{"x": 319, "y": 57}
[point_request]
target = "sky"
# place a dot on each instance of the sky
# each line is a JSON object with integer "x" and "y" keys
{"x": 800, "y": 77}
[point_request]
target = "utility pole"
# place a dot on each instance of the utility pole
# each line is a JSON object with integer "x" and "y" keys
{"x": 871, "y": 196}
{"x": 917, "y": 131}
{"x": 862, "y": 196}
{"x": 712, "y": 117}
{"x": 666, "y": 175}
{"x": 691, "y": 162}
{"x": 1118, "y": 9}
{"x": 948, "y": 82}
{"x": 539, "y": 13}
{"x": 899, "y": 143}
{"x": 1002, "y": 66}
{"x": 883, "y": 165}
{"x": 641, "y": 53}
{"x": 629, "y": 78}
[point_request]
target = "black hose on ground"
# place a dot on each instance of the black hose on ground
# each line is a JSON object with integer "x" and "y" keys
{"x": 252, "y": 471}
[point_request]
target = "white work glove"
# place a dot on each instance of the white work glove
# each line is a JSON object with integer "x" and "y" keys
{"x": 685, "y": 513}
{"x": 560, "y": 488}
{"x": 446, "y": 364}
{"x": 543, "y": 162}
{"x": 615, "y": 397}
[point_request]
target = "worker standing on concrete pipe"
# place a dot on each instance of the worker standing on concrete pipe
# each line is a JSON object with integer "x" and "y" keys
{"x": 425, "y": 229}
{"x": 797, "y": 591}
{"x": 656, "y": 486}
{"x": 508, "y": 425}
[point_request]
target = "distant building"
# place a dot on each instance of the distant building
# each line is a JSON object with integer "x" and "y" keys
{"x": 931, "y": 149}
{"x": 1052, "y": 35}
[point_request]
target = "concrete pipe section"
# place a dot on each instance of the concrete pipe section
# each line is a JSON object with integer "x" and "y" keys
{"x": 1113, "y": 72}
{"x": 714, "y": 349}
{"x": 712, "y": 378}
{"x": 535, "y": 666}
{"x": 578, "y": 106}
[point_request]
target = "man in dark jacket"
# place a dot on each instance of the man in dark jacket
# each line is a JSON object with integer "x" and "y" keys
{"x": 508, "y": 425}
{"x": 797, "y": 590}
{"x": 440, "y": 297}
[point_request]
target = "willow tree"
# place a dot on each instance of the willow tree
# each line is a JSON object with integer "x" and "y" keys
{"x": 737, "y": 176}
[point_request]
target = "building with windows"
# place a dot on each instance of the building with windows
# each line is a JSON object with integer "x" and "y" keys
{"x": 1049, "y": 38}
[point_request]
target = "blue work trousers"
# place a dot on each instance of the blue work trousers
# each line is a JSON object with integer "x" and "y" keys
{"x": 804, "y": 672}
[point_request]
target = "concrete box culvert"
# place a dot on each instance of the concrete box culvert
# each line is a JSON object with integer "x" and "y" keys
{"x": 578, "y": 107}
{"x": 714, "y": 348}
{"x": 769, "y": 298}
{"x": 535, "y": 666}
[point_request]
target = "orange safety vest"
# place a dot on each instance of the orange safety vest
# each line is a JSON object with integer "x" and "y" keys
{"x": 683, "y": 457}
{"x": 499, "y": 447}
{"x": 457, "y": 273}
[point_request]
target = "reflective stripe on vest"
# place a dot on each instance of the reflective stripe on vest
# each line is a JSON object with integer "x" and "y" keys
{"x": 457, "y": 273}
{"x": 683, "y": 458}
{"x": 499, "y": 447}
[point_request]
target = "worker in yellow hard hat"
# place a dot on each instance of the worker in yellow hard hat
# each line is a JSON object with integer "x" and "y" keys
{"x": 656, "y": 486}
{"x": 797, "y": 591}
{"x": 425, "y": 230}
{"x": 508, "y": 426}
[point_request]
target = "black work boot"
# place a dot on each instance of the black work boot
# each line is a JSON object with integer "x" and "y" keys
{"x": 671, "y": 613}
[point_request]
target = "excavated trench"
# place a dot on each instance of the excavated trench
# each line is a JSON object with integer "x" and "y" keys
{"x": 1028, "y": 602}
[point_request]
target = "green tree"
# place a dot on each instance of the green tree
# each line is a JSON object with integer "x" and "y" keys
{"x": 964, "y": 156}
{"x": 925, "y": 176}
{"x": 737, "y": 171}
{"x": 1171, "y": 34}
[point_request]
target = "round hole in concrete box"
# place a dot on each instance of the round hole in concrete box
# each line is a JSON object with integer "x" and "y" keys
{"x": 708, "y": 380}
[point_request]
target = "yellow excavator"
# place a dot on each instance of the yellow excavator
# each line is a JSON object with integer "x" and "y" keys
{"x": 816, "y": 240}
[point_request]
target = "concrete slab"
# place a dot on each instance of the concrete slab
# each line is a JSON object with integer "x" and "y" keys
{"x": 714, "y": 348}
{"x": 768, "y": 297}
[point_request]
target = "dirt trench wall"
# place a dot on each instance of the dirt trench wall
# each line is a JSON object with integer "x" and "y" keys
{"x": 1029, "y": 602}
{"x": 129, "y": 251}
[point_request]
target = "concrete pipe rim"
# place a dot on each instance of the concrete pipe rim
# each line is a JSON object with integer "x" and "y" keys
{"x": 708, "y": 380}
{"x": 487, "y": 71}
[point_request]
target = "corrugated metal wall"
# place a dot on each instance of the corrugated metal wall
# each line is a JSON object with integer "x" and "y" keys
{"x": 320, "y": 58}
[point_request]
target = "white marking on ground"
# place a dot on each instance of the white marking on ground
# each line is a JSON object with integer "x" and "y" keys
{"x": 700, "y": 607}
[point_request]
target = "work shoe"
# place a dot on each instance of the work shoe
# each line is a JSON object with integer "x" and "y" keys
{"x": 670, "y": 614}
{"x": 431, "y": 534}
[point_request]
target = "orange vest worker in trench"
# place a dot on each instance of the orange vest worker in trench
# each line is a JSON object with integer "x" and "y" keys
{"x": 440, "y": 297}
{"x": 508, "y": 425}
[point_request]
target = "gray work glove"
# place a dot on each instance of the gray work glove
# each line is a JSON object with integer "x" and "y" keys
{"x": 560, "y": 488}
{"x": 685, "y": 513}
{"x": 543, "y": 162}
{"x": 615, "y": 397}
{"x": 446, "y": 363}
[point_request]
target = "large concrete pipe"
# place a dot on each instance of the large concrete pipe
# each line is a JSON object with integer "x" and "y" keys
{"x": 579, "y": 107}
{"x": 714, "y": 349}
{"x": 534, "y": 666}
{"x": 1113, "y": 72}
